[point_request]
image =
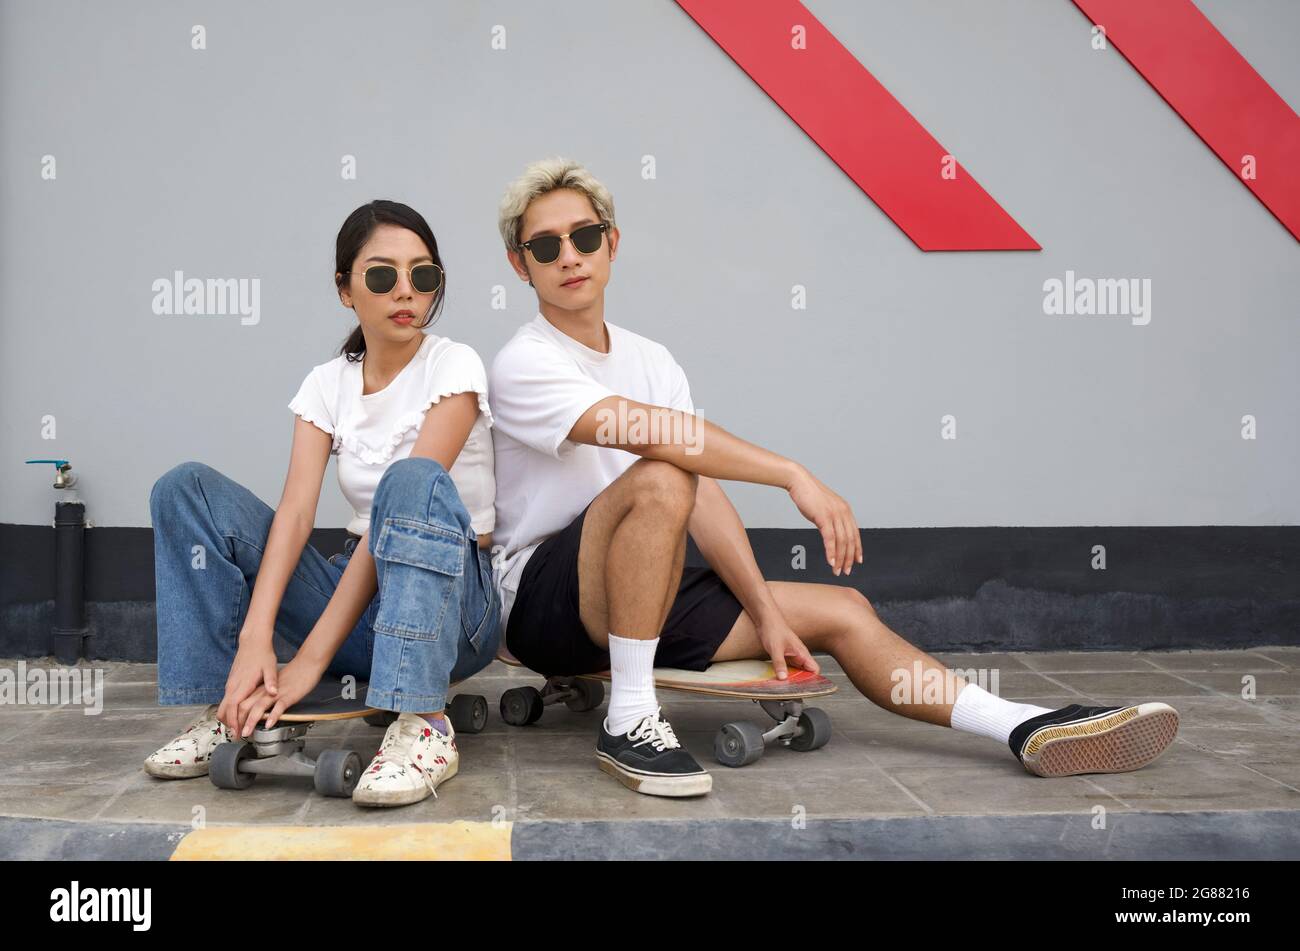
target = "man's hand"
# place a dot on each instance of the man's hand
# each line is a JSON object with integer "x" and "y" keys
{"x": 254, "y": 666}
{"x": 297, "y": 678}
{"x": 833, "y": 518}
{"x": 781, "y": 642}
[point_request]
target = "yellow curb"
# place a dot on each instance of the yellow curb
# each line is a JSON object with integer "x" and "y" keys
{"x": 478, "y": 841}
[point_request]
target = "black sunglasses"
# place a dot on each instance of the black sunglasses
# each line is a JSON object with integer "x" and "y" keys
{"x": 546, "y": 248}
{"x": 382, "y": 278}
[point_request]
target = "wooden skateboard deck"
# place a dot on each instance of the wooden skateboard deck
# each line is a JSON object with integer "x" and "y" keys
{"x": 326, "y": 702}
{"x": 741, "y": 679}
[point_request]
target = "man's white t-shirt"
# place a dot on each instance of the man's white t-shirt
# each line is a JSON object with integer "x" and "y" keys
{"x": 540, "y": 383}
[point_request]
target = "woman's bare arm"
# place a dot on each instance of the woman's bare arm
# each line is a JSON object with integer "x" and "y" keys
{"x": 255, "y": 667}
{"x": 295, "y": 517}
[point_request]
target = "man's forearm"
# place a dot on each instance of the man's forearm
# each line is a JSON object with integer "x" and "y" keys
{"x": 719, "y": 454}
{"x": 720, "y": 536}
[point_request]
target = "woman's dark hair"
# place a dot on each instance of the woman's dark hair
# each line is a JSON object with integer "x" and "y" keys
{"x": 356, "y": 231}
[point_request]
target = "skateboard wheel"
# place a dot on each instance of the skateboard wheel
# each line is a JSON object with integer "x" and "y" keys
{"x": 381, "y": 719}
{"x": 738, "y": 744}
{"x": 521, "y": 706}
{"x": 468, "y": 712}
{"x": 590, "y": 694}
{"x": 337, "y": 773}
{"x": 223, "y": 769}
{"x": 815, "y": 730}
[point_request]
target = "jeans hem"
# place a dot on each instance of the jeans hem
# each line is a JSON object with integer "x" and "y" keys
{"x": 405, "y": 702}
{"x": 190, "y": 696}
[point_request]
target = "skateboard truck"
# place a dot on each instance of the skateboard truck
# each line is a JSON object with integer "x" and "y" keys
{"x": 280, "y": 750}
{"x": 735, "y": 744}
{"x": 798, "y": 727}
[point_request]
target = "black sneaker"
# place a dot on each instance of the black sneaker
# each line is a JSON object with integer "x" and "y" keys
{"x": 1078, "y": 739}
{"x": 650, "y": 760}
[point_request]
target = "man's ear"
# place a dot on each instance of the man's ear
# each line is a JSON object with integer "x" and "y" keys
{"x": 613, "y": 242}
{"x": 516, "y": 260}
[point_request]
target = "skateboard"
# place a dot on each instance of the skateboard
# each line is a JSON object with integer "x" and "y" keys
{"x": 739, "y": 743}
{"x": 278, "y": 751}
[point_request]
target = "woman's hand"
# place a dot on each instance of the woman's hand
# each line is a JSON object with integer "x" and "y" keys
{"x": 833, "y": 518}
{"x": 255, "y": 667}
{"x": 297, "y": 678}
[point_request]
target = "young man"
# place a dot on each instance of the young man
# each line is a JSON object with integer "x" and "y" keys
{"x": 603, "y": 468}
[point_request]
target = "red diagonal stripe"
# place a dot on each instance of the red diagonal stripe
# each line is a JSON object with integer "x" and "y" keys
{"x": 855, "y": 120}
{"x": 1216, "y": 91}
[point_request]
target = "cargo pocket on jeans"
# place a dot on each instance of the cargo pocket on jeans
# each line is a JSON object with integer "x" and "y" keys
{"x": 418, "y": 566}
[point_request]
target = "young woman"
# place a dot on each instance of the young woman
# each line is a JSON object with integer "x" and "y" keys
{"x": 409, "y": 604}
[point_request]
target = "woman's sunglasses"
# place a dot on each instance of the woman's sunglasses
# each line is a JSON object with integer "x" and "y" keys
{"x": 546, "y": 248}
{"x": 382, "y": 278}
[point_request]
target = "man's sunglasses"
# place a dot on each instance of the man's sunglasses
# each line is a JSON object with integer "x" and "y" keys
{"x": 546, "y": 248}
{"x": 382, "y": 278}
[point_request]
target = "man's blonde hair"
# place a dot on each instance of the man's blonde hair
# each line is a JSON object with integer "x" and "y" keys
{"x": 545, "y": 176}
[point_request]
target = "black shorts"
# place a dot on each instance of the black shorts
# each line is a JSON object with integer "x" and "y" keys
{"x": 545, "y": 631}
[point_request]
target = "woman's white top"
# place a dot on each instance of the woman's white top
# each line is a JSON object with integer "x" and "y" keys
{"x": 371, "y": 430}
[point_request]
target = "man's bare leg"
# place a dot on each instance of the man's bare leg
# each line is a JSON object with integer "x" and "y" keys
{"x": 632, "y": 550}
{"x": 1075, "y": 739}
{"x": 840, "y": 621}
{"x": 630, "y": 558}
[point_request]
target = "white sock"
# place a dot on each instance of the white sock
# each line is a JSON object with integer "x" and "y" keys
{"x": 978, "y": 711}
{"x": 632, "y": 683}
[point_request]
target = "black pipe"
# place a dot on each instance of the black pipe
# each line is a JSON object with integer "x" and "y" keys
{"x": 69, "y": 583}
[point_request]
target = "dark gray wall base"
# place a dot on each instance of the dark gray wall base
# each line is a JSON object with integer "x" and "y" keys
{"x": 944, "y": 589}
{"x": 998, "y": 618}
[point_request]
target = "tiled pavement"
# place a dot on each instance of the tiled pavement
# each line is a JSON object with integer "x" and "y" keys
{"x": 1228, "y": 786}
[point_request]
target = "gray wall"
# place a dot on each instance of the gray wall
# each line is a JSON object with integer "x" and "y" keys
{"x": 226, "y": 163}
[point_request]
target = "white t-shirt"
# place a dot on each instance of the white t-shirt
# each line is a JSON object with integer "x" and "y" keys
{"x": 541, "y": 382}
{"x": 372, "y": 430}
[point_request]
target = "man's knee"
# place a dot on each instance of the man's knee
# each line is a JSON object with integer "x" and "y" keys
{"x": 838, "y": 618}
{"x": 663, "y": 485}
{"x": 857, "y": 601}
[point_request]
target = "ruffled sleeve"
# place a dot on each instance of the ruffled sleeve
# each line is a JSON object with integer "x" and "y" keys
{"x": 373, "y": 434}
{"x": 312, "y": 403}
{"x": 458, "y": 370}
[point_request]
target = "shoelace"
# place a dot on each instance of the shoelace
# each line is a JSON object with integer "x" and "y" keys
{"x": 399, "y": 729}
{"x": 658, "y": 733}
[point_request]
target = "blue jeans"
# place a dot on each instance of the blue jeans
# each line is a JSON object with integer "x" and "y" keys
{"x": 435, "y": 619}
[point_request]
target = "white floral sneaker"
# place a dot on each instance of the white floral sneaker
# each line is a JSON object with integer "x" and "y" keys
{"x": 189, "y": 754}
{"x": 413, "y": 759}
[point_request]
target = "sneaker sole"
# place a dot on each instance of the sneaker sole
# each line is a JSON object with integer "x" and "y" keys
{"x": 173, "y": 771}
{"x": 676, "y": 786}
{"x": 1125, "y": 740}
{"x": 401, "y": 797}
